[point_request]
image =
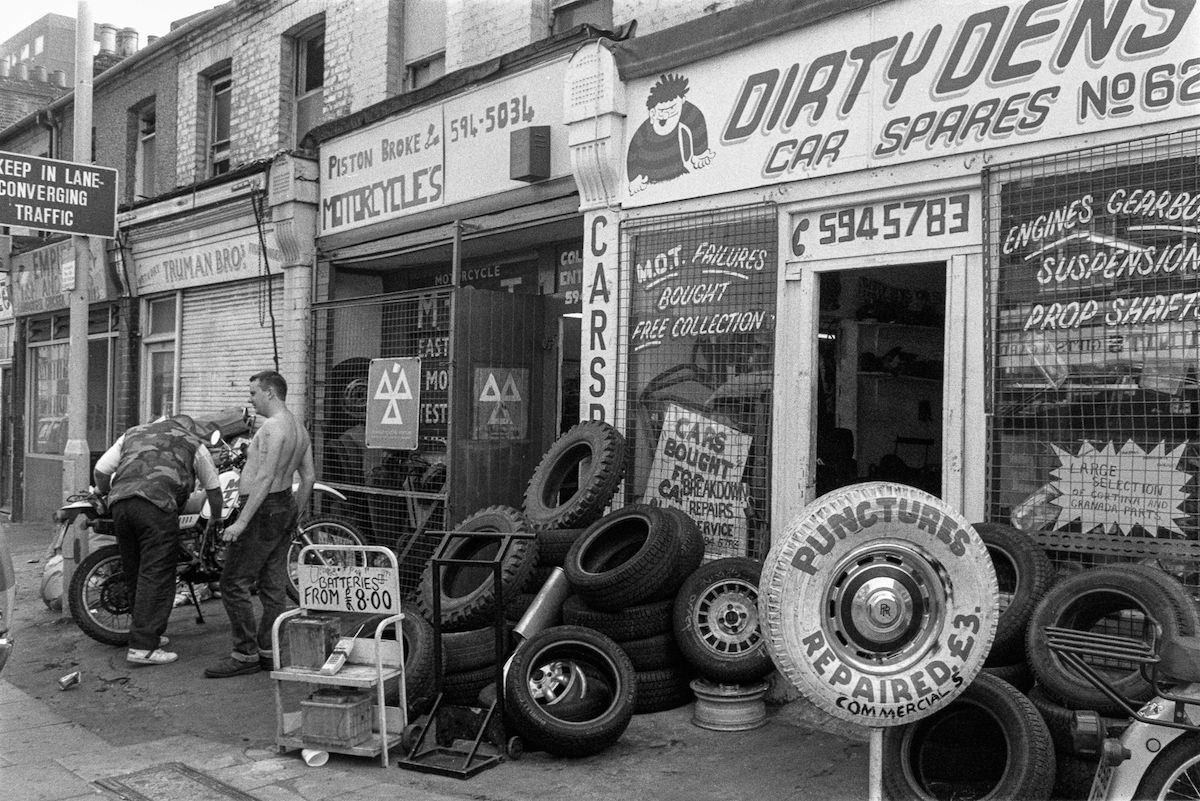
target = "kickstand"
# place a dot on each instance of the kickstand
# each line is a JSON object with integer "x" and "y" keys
{"x": 195, "y": 602}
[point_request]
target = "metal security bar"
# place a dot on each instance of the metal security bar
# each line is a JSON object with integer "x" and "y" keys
{"x": 396, "y": 498}
{"x": 699, "y": 333}
{"x": 1093, "y": 262}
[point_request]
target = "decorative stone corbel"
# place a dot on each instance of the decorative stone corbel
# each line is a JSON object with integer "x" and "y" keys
{"x": 594, "y": 102}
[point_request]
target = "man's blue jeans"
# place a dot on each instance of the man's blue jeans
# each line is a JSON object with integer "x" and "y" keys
{"x": 260, "y": 554}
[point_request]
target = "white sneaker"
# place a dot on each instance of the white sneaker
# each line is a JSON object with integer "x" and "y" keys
{"x": 155, "y": 657}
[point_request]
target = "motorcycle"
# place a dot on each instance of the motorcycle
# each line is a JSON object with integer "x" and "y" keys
{"x": 1158, "y": 754}
{"x": 98, "y": 590}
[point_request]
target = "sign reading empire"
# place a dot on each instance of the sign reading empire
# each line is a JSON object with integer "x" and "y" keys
{"x": 904, "y": 81}
{"x": 60, "y": 196}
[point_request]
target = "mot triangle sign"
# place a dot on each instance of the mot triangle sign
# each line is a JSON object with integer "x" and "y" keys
{"x": 393, "y": 403}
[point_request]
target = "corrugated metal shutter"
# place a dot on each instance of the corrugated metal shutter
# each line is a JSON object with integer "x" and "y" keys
{"x": 226, "y": 339}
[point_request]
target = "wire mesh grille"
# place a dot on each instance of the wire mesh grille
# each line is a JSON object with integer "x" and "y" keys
{"x": 1093, "y": 264}
{"x": 699, "y": 306}
{"x": 396, "y": 498}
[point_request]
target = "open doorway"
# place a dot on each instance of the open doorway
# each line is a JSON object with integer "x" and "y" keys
{"x": 880, "y": 373}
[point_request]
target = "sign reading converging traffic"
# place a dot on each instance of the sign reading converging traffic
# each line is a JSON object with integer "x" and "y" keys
{"x": 393, "y": 400}
{"x": 59, "y": 196}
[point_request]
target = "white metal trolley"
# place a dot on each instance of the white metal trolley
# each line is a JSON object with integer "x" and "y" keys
{"x": 342, "y": 579}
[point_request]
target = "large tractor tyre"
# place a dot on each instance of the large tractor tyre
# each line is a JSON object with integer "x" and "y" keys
{"x": 624, "y": 558}
{"x": 420, "y": 673}
{"x": 653, "y": 653}
{"x": 666, "y": 688}
{"x": 630, "y": 623}
{"x": 554, "y": 543}
{"x": 691, "y": 551}
{"x": 1023, "y": 574}
{"x": 716, "y": 622}
{"x": 468, "y": 595}
{"x": 1102, "y": 600}
{"x": 898, "y": 603}
{"x": 320, "y": 531}
{"x": 1175, "y": 773}
{"x": 468, "y": 650}
{"x": 570, "y": 691}
{"x": 100, "y": 597}
{"x": 576, "y": 477}
{"x": 988, "y": 743}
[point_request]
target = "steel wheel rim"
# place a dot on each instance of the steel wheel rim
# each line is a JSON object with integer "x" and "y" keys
{"x": 319, "y": 536}
{"x": 106, "y": 596}
{"x": 725, "y": 617}
{"x": 552, "y": 664}
{"x": 1184, "y": 782}
{"x": 884, "y": 606}
{"x": 551, "y": 681}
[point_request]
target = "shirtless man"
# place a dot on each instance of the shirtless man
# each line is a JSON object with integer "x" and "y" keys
{"x": 259, "y": 540}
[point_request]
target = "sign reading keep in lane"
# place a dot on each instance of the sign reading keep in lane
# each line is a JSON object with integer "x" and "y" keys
{"x": 60, "y": 196}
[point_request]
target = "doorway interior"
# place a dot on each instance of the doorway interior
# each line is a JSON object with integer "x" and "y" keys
{"x": 880, "y": 375}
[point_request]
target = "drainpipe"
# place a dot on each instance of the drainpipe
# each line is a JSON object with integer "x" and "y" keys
{"x": 46, "y": 121}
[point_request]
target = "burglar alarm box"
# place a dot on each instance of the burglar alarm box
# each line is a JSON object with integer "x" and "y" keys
{"x": 529, "y": 153}
{"x": 310, "y": 640}
{"x": 336, "y": 717}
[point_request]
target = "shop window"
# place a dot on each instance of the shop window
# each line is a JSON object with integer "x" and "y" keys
{"x": 1093, "y": 270}
{"x": 159, "y": 357}
{"x": 49, "y": 387}
{"x": 49, "y": 382}
{"x": 220, "y": 93}
{"x": 700, "y": 336}
{"x": 424, "y": 42}
{"x": 567, "y": 14}
{"x": 144, "y": 153}
{"x": 309, "y": 82}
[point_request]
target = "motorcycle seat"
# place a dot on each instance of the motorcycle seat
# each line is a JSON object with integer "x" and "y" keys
{"x": 1179, "y": 659}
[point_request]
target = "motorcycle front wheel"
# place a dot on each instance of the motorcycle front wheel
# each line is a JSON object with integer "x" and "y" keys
{"x": 100, "y": 598}
{"x": 319, "y": 531}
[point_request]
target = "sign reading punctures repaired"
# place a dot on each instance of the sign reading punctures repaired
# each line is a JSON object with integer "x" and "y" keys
{"x": 907, "y": 601}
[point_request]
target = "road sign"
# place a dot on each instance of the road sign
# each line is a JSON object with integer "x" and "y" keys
{"x": 393, "y": 403}
{"x": 60, "y": 196}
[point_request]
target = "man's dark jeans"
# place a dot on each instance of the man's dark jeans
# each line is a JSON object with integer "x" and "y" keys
{"x": 259, "y": 554}
{"x": 148, "y": 539}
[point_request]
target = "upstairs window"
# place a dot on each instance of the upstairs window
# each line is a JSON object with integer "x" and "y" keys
{"x": 310, "y": 81}
{"x": 39, "y": 44}
{"x": 218, "y": 133}
{"x": 570, "y": 13}
{"x": 424, "y": 42}
{"x": 144, "y": 160}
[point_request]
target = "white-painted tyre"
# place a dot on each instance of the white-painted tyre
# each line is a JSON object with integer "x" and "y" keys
{"x": 879, "y": 603}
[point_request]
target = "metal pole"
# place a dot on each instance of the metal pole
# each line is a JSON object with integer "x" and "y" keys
{"x": 875, "y": 765}
{"x": 77, "y": 454}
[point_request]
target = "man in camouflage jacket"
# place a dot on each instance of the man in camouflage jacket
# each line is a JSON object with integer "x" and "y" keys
{"x": 148, "y": 473}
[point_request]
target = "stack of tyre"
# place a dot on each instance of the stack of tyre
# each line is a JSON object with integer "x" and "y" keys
{"x": 1127, "y": 599}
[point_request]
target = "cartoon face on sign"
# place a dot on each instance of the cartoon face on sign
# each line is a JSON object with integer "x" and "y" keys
{"x": 672, "y": 141}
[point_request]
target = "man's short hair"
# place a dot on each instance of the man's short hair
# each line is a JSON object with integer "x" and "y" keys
{"x": 273, "y": 381}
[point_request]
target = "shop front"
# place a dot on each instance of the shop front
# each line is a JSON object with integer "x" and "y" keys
{"x": 446, "y": 328}
{"x": 897, "y": 242}
{"x": 40, "y": 362}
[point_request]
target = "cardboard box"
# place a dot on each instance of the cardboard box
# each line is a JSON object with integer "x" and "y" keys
{"x": 310, "y": 640}
{"x": 336, "y": 717}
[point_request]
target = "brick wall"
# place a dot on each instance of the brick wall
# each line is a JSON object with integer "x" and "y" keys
{"x": 477, "y": 30}
{"x": 20, "y": 98}
{"x": 655, "y": 15}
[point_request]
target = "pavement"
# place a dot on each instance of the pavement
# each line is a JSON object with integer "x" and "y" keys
{"x": 168, "y": 734}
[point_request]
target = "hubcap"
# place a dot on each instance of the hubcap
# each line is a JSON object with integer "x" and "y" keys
{"x": 884, "y": 605}
{"x": 726, "y": 617}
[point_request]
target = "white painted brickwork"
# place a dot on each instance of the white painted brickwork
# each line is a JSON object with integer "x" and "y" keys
{"x": 655, "y": 15}
{"x": 477, "y": 30}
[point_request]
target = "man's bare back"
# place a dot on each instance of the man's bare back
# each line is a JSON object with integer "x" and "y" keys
{"x": 278, "y": 449}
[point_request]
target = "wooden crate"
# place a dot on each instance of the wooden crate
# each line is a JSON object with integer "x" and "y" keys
{"x": 336, "y": 717}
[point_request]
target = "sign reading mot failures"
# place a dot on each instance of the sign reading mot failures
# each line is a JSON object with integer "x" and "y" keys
{"x": 59, "y": 196}
{"x": 393, "y": 400}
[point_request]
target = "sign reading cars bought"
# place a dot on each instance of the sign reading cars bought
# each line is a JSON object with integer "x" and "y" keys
{"x": 880, "y": 603}
{"x": 60, "y": 196}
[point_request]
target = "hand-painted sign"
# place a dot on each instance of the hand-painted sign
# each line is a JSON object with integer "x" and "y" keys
{"x": 59, "y": 196}
{"x": 1120, "y": 488}
{"x": 220, "y": 258}
{"x": 393, "y": 401}
{"x": 598, "y": 393}
{"x": 36, "y": 278}
{"x": 905, "y": 81}
{"x": 439, "y": 155}
{"x": 698, "y": 467}
{"x": 939, "y": 221}
{"x": 349, "y": 588}
{"x": 501, "y": 403}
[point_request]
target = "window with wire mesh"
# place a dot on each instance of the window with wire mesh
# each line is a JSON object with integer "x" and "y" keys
{"x": 699, "y": 336}
{"x": 396, "y": 498}
{"x": 1094, "y": 277}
